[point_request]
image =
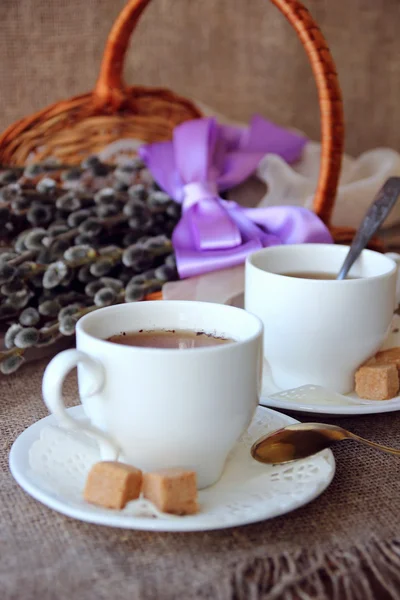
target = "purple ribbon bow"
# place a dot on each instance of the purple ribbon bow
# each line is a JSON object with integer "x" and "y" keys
{"x": 205, "y": 158}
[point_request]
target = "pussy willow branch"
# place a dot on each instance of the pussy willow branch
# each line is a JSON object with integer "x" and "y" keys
{"x": 80, "y": 313}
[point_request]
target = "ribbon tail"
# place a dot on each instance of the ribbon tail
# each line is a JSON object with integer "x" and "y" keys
{"x": 259, "y": 227}
{"x": 291, "y": 224}
{"x": 249, "y": 230}
{"x": 207, "y": 238}
{"x": 212, "y": 226}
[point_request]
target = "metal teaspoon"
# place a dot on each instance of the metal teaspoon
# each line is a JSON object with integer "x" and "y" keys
{"x": 375, "y": 216}
{"x": 304, "y": 439}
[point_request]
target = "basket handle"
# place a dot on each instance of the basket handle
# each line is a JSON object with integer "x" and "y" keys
{"x": 110, "y": 88}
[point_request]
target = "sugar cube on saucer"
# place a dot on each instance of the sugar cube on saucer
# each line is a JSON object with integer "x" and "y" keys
{"x": 112, "y": 484}
{"x": 172, "y": 490}
{"x": 377, "y": 381}
{"x": 388, "y": 357}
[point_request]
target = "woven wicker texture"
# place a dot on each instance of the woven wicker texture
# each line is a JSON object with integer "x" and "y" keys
{"x": 238, "y": 57}
{"x": 72, "y": 128}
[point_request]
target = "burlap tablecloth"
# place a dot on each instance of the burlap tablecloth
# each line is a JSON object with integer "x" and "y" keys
{"x": 345, "y": 544}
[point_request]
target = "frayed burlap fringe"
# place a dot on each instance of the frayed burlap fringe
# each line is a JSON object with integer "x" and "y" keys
{"x": 364, "y": 572}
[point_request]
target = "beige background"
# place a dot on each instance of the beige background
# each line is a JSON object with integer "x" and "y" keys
{"x": 239, "y": 56}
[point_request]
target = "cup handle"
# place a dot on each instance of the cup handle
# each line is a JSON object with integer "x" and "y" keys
{"x": 53, "y": 380}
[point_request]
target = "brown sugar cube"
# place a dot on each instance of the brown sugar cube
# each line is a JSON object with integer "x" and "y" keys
{"x": 369, "y": 362}
{"x": 388, "y": 357}
{"x": 377, "y": 382}
{"x": 112, "y": 484}
{"x": 172, "y": 490}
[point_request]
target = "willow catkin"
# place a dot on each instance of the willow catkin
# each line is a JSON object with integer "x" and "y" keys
{"x": 77, "y": 238}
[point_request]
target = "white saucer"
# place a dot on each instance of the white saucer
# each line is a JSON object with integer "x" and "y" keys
{"x": 51, "y": 465}
{"x": 316, "y": 400}
{"x": 311, "y": 399}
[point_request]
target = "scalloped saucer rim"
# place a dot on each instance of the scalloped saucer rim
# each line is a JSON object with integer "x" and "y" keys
{"x": 259, "y": 479}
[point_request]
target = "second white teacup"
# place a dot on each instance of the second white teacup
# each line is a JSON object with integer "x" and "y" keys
{"x": 157, "y": 407}
{"x": 319, "y": 331}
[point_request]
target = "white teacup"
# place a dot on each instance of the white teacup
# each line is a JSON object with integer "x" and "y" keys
{"x": 319, "y": 331}
{"x": 157, "y": 408}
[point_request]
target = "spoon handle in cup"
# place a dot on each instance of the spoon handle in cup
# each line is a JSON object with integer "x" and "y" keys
{"x": 375, "y": 216}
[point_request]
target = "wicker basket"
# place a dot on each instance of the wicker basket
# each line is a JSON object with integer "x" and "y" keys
{"x": 72, "y": 129}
